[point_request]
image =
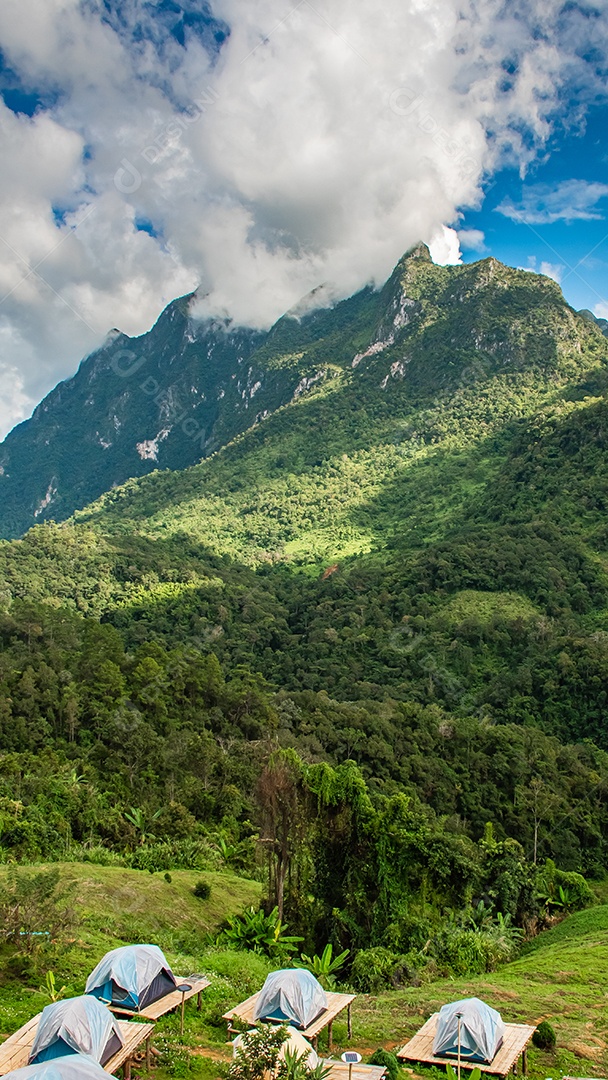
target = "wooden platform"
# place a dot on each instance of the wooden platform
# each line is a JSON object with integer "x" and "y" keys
{"x": 515, "y": 1042}
{"x": 336, "y": 1003}
{"x": 169, "y": 1002}
{"x": 15, "y": 1051}
{"x": 339, "y": 1071}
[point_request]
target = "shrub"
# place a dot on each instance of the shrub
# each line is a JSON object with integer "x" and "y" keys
{"x": 373, "y": 968}
{"x": 257, "y": 1053}
{"x": 463, "y": 952}
{"x": 544, "y": 1036}
{"x": 261, "y": 933}
{"x": 168, "y": 877}
{"x": 388, "y": 1059}
{"x": 202, "y": 889}
{"x": 324, "y": 967}
{"x": 173, "y": 855}
{"x": 563, "y": 889}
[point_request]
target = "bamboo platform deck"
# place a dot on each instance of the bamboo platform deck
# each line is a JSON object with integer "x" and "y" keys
{"x": 15, "y": 1051}
{"x": 340, "y": 1071}
{"x": 515, "y": 1042}
{"x": 169, "y": 1002}
{"x": 336, "y": 1003}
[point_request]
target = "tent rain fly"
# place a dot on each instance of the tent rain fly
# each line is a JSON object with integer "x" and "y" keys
{"x": 131, "y": 977}
{"x": 481, "y": 1031}
{"x": 291, "y": 996}
{"x": 80, "y": 1025}
{"x": 73, "y": 1067}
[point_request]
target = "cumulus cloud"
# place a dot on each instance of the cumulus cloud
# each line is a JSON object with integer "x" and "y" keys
{"x": 472, "y": 240}
{"x": 569, "y": 200}
{"x": 552, "y": 270}
{"x": 444, "y": 247}
{"x": 310, "y": 144}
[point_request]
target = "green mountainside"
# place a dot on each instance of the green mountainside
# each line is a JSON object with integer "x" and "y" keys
{"x": 386, "y": 603}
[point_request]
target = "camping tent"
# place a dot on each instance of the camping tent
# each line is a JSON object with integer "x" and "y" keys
{"x": 131, "y": 977}
{"x": 293, "y": 996}
{"x": 80, "y": 1025}
{"x": 295, "y": 1041}
{"x": 481, "y": 1031}
{"x": 74, "y": 1067}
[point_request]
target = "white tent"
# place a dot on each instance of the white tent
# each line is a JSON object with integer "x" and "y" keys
{"x": 132, "y": 976}
{"x": 481, "y": 1031}
{"x": 73, "y": 1067}
{"x": 291, "y": 996}
{"x": 80, "y": 1025}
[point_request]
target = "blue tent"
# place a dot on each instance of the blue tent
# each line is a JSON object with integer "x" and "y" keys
{"x": 80, "y": 1025}
{"x": 291, "y": 996}
{"x": 74, "y": 1067}
{"x": 131, "y": 977}
{"x": 481, "y": 1031}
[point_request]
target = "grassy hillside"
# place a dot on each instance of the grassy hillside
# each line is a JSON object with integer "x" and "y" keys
{"x": 560, "y": 977}
{"x": 116, "y": 906}
{"x": 137, "y": 905}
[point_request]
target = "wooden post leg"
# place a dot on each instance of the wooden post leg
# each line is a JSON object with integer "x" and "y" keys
{"x": 148, "y": 1061}
{"x": 199, "y": 1003}
{"x": 350, "y": 1020}
{"x": 127, "y": 1069}
{"x": 524, "y": 1063}
{"x": 329, "y": 1034}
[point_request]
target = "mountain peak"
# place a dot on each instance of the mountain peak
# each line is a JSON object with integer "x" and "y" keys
{"x": 419, "y": 251}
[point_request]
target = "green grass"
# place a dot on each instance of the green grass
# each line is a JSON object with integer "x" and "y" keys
{"x": 136, "y": 905}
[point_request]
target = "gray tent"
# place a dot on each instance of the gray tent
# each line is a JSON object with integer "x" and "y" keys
{"x": 131, "y": 977}
{"x": 291, "y": 996}
{"x": 80, "y": 1025}
{"x": 74, "y": 1067}
{"x": 481, "y": 1031}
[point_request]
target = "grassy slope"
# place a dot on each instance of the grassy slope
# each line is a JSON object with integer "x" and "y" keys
{"x": 117, "y": 906}
{"x": 561, "y": 976}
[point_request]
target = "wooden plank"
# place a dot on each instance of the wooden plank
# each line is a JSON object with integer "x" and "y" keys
{"x": 132, "y": 1035}
{"x": 167, "y": 1003}
{"x": 340, "y": 1071}
{"x": 336, "y": 1003}
{"x": 515, "y": 1041}
{"x": 15, "y": 1051}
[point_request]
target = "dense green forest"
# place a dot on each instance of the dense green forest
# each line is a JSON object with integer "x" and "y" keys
{"x": 362, "y": 650}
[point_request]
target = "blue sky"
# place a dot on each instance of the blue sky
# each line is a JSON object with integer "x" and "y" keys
{"x": 574, "y": 247}
{"x": 258, "y": 150}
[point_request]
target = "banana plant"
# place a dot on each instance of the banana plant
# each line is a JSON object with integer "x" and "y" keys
{"x": 475, "y": 1073}
{"x": 325, "y": 966}
{"x": 261, "y": 933}
{"x": 50, "y": 988}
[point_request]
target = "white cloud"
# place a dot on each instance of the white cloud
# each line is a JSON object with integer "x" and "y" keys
{"x": 324, "y": 141}
{"x": 444, "y": 246}
{"x": 553, "y": 270}
{"x": 472, "y": 240}
{"x": 570, "y": 200}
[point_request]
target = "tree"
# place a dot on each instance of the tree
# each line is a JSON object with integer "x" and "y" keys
{"x": 280, "y": 798}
